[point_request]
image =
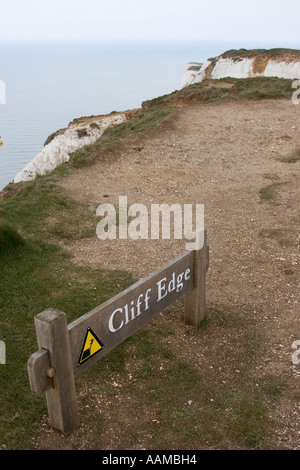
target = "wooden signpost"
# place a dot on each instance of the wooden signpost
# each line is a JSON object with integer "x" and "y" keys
{"x": 66, "y": 351}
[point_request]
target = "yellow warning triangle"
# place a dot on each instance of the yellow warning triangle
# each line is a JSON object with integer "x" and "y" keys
{"x": 91, "y": 346}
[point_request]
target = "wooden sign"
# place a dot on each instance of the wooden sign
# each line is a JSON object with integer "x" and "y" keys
{"x": 68, "y": 350}
{"x": 124, "y": 314}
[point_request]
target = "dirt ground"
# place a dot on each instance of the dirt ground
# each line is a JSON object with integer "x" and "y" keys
{"x": 219, "y": 155}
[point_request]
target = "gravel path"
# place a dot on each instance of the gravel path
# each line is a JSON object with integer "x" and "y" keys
{"x": 219, "y": 155}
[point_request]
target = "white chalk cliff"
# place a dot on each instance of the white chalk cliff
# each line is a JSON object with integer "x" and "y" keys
{"x": 281, "y": 63}
{"x": 58, "y": 150}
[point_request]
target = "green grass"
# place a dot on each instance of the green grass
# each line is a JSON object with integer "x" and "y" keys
{"x": 35, "y": 275}
{"x": 269, "y": 193}
{"x": 293, "y": 158}
{"x": 262, "y": 88}
{"x": 284, "y": 237}
{"x": 273, "y": 386}
{"x": 40, "y": 209}
{"x": 239, "y": 54}
{"x": 271, "y": 232}
{"x": 247, "y": 88}
{"x": 249, "y": 423}
{"x": 144, "y": 120}
{"x": 10, "y": 239}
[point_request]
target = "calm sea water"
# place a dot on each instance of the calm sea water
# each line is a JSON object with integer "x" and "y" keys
{"x": 49, "y": 86}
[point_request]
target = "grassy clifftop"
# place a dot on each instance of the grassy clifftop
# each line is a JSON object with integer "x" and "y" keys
{"x": 226, "y": 89}
{"x": 275, "y": 53}
{"x": 36, "y": 273}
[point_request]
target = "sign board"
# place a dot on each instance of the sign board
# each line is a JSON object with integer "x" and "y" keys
{"x": 65, "y": 351}
{"x": 124, "y": 314}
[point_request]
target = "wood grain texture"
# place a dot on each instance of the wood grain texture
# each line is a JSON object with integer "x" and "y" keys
{"x": 156, "y": 285}
{"x": 52, "y": 334}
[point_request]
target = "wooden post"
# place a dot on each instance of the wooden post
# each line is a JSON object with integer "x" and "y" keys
{"x": 195, "y": 299}
{"x": 52, "y": 334}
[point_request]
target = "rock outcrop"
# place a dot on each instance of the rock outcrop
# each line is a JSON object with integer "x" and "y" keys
{"x": 242, "y": 63}
{"x": 57, "y": 150}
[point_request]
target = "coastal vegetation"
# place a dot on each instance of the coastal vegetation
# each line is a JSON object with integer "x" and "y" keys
{"x": 36, "y": 273}
{"x": 239, "y": 54}
{"x": 143, "y": 120}
{"x": 227, "y": 88}
{"x": 293, "y": 158}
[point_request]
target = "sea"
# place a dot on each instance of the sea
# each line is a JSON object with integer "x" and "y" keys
{"x": 44, "y": 87}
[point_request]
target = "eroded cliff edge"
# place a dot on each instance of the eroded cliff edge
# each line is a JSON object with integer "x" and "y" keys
{"x": 243, "y": 63}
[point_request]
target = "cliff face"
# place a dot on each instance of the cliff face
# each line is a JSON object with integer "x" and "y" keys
{"x": 281, "y": 63}
{"x": 66, "y": 141}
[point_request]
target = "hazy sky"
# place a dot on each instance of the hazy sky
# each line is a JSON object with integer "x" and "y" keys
{"x": 80, "y": 21}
